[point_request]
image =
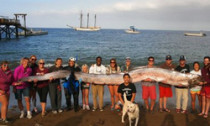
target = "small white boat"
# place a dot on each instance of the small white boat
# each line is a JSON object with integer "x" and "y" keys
{"x": 201, "y": 34}
{"x": 132, "y": 30}
{"x": 32, "y": 33}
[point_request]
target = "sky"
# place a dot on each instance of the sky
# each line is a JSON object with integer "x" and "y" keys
{"x": 114, "y": 14}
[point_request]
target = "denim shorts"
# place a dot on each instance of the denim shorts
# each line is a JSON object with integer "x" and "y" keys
{"x": 24, "y": 91}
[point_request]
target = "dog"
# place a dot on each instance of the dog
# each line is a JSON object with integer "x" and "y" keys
{"x": 131, "y": 109}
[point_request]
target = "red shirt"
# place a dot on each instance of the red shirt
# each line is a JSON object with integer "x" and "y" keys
{"x": 206, "y": 76}
{"x": 41, "y": 84}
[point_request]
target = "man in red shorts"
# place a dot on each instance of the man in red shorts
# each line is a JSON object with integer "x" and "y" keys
{"x": 205, "y": 91}
{"x": 165, "y": 89}
{"x": 149, "y": 88}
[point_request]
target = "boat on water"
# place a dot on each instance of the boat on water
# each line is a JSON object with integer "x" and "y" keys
{"x": 87, "y": 28}
{"x": 201, "y": 34}
{"x": 132, "y": 30}
{"x": 33, "y": 33}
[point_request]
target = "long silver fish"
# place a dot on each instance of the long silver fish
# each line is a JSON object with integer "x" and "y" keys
{"x": 137, "y": 75}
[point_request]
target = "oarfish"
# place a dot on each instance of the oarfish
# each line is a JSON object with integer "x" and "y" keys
{"x": 157, "y": 74}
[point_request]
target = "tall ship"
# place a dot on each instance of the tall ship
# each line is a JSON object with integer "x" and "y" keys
{"x": 87, "y": 28}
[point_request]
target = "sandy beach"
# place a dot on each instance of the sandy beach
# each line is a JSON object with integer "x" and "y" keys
{"x": 106, "y": 118}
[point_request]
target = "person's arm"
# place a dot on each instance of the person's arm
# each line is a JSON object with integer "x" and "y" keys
{"x": 120, "y": 96}
{"x": 91, "y": 70}
{"x": 133, "y": 97}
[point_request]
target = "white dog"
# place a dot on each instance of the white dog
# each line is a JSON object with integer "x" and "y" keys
{"x": 132, "y": 109}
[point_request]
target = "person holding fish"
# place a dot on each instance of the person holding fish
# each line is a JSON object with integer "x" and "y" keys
{"x": 22, "y": 88}
{"x": 111, "y": 69}
{"x": 42, "y": 86}
{"x": 55, "y": 88}
{"x": 6, "y": 79}
{"x": 127, "y": 67}
{"x": 98, "y": 90}
{"x": 149, "y": 88}
{"x": 182, "y": 91}
{"x": 205, "y": 91}
{"x": 165, "y": 90}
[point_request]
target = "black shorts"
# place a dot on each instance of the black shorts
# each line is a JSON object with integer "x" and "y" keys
{"x": 85, "y": 86}
{"x": 43, "y": 93}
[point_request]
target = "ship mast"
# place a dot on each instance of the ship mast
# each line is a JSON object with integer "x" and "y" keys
{"x": 87, "y": 20}
{"x": 81, "y": 19}
{"x": 95, "y": 21}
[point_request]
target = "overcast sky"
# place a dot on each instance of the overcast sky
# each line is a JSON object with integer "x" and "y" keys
{"x": 119, "y": 14}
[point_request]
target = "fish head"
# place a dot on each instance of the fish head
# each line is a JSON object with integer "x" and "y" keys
{"x": 195, "y": 80}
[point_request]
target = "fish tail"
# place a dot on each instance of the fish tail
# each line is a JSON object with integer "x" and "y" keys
{"x": 125, "y": 98}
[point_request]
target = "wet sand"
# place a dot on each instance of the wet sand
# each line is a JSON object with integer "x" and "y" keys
{"x": 107, "y": 118}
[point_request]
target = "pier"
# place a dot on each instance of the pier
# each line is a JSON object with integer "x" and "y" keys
{"x": 9, "y": 27}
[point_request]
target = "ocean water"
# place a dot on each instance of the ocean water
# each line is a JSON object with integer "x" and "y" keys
{"x": 107, "y": 43}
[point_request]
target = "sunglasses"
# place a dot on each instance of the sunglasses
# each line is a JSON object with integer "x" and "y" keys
{"x": 112, "y": 62}
{"x": 5, "y": 65}
{"x": 151, "y": 60}
{"x": 33, "y": 59}
{"x": 42, "y": 63}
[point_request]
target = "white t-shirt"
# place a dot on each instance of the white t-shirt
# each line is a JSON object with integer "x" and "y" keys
{"x": 196, "y": 88}
{"x": 97, "y": 69}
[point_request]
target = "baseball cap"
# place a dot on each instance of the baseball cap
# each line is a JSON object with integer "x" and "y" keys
{"x": 127, "y": 58}
{"x": 168, "y": 57}
{"x": 182, "y": 57}
{"x": 72, "y": 59}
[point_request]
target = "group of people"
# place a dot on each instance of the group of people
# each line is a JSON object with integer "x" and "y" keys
{"x": 30, "y": 66}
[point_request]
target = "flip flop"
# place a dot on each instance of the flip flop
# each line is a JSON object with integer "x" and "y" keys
{"x": 166, "y": 110}
{"x": 205, "y": 116}
{"x": 200, "y": 114}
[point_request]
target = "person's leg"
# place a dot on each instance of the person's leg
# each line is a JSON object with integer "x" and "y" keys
{"x": 59, "y": 97}
{"x": 19, "y": 99}
{"x": 52, "y": 93}
{"x": 4, "y": 106}
{"x": 193, "y": 98}
{"x": 145, "y": 94}
{"x": 200, "y": 101}
{"x": 68, "y": 98}
{"x": 152, "y": 96}
{"x": 185, "y": 99}
{"x": 83, "y": 99}
{"x": 26, "y": 94}
{"x": 94, "y": 94}
{"x": 86, "y": 96}
{"x": 165, "y": 103}
{"x": 111, "y": 90}
{"x": 178, "y": 99}
{"x": 161, "y": 90}
{"x": 43, "y": 101}
{"x": 116, "y": 94}
{"x": 207, "y": 107}
{"x": 101, "y": 96}
{"x": 33, "y": 98}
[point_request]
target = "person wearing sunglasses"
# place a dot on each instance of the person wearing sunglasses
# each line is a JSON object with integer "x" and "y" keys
{"x": 112, "y": 69}
{"x": 6, "y": 79}
{"x": 33, "y": 65}
{"x": 165, "y": 90}
{"x": 149, "y": 88}
{"x": 127, "y": 67}
{"x": 22, "y": 88}
{"x": 42, "y": 86}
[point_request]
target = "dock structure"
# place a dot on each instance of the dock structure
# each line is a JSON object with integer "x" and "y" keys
{"x": 9, "y": 27}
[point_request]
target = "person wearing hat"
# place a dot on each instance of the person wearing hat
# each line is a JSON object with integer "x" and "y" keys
{"x": 182, "y": 92}
{"x": 5, "y": 82}
{"x": 165, "y": 90}
{"x": 71, "y": 89}
{"x": 127, "y": 67}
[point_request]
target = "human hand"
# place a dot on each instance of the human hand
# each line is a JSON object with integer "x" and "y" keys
{"x": 2, "y": 92}
{"x": 51, "y": 78}
{"x": 148, "y": 79}
{"x": 35, "y": 80}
